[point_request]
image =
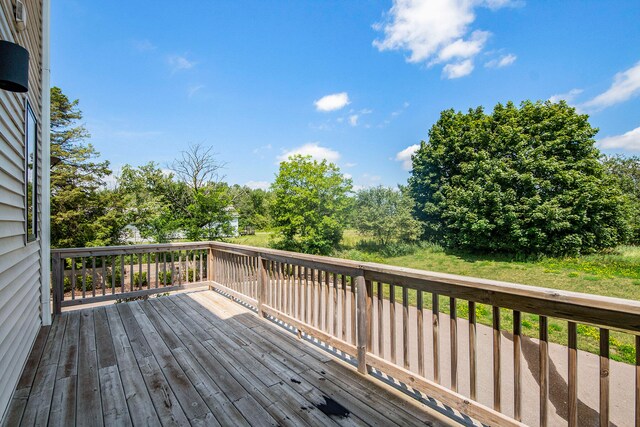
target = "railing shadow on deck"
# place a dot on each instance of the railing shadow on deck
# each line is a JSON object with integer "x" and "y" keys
{"x": 390, "y": 320}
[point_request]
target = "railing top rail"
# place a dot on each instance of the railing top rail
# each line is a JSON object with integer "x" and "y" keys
{"x": 129, "y": 249}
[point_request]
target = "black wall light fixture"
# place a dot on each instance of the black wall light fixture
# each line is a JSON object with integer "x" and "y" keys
{"x": 14, "y": 67}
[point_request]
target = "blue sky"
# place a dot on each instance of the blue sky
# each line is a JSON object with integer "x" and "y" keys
{"x": 357, "y": 82}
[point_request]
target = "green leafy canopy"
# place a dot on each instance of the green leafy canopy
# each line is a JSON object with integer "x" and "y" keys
{"x": 522, "y": 179}
{"x": 310, "y": 205}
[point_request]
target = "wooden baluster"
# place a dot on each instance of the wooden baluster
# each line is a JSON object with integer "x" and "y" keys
{"x": 173, "y": 268}
{"x": 283, "y": 288}
{"x": 361, "y": 340}
{"x": 344, "y": 307}
{"x": 140, "y": 281}
{"x": 420, "y": 314}
{"x": 113, "y": 274}
{"x": 453, "y": 330}
{"x": 405, "y": 326}
{"x": 104, "y": 275}
{"x": 435, "y": 301}
{"x": 496, "y": 359}
{"x": 392, "y": 322}
{"x": 73, "y": 279}
{"x": 148, "y": 270}
{"x": 353, "y": 311}
{"x": 308, "y": 275}
{"x": 473, "y": 357}
{"x": 369, "y": 318}
{"x": 164, "y": 269}
{"x": 94, "y": 280}
{"x": 248, "y": 275}
{"x": 317, "y": 296}
{"x": 604, "y": 377}
{"x": 327, "y": 305}
{"x": 334, "y": 330}
{"x": 573, "y": 375}
{"x": 122, "y": 273}
{"x": 517, "y": 378}
{"x": 131, "y": 273}
{"x": 301, "y": 296}
{"x": 262, "y": 286}
{"x": 381, "y": 319}
{"x": 84, "y": 277}
{"x": 544, "y": 370}
{"x": 155, "y": 256}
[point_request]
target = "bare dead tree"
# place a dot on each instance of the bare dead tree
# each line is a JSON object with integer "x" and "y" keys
{"x": 198, "y": 166}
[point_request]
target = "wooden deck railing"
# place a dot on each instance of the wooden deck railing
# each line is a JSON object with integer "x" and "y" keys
{"x": 90, "y": 275}
{"x": 380, "y": 315}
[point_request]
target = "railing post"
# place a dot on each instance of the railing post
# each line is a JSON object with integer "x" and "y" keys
{"x": 57, "y": 273}
{"x": 211, "y": 274}
{"x": 363, "y": 325}
{"x": 262, "y": 285}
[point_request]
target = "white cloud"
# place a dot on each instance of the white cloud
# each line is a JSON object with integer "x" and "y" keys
{"x": 350, "y": 165}
{"x": 404, "y": 156}
{"x": 503, "y": 61}
{"x": 626, "y": 85}
{"x": 143, "y": 45}
{"x": 353, "y": 119}
{"x": 332, "y": 102}
{"x": 313, "y": 149}
{"x": 457, "y": 70}
{"x": 627, "y": 141}
{"x": 180, "y": 62}
{"x": 255, "y": 185}
{"x": 569, "y": 96}
{"x": 464, "y": 48}
{"x": 436, "y": 31}
{"x": 262, "y": 148}
{"x": 193, "y": 89}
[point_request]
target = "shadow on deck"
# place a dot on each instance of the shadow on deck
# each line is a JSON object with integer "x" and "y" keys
{"x": 195, "y": 358}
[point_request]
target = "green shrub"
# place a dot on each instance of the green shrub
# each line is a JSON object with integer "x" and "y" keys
{"x": 164, "y": 277}
{"x": 193, "y": 274}
{"x": 88, "y": 283}
{"x": 137, "y": 281}
{"x": 109, "y": 278}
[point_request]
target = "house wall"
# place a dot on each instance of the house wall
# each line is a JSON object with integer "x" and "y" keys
{"x": 20, "y": 268}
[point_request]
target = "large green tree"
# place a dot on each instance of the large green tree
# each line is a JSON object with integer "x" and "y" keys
{"x": 83, "y": 211}
{"x": 150, "y": 203}
{"x": 252, "y": 206}
{"x": 205, "y": 206}
{"x": 310, "y": 205}
{"x": 522, "y": 179}
{"x": 385, "y": 215}
{"x": 626, "y": 171}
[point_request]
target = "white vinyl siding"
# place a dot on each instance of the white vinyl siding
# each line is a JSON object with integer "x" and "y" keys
{"x": 20, "y": 279}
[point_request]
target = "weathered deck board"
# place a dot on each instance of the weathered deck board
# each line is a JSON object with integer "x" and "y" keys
{"x": 193, "y": 359}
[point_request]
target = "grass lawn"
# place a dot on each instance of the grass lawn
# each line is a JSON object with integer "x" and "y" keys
{"x": 616, "y": 274}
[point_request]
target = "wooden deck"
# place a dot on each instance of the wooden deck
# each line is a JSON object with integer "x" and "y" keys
{"x": 195, "y": 358}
